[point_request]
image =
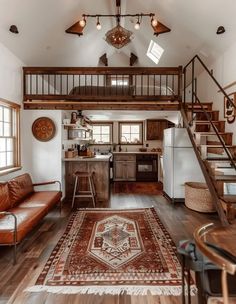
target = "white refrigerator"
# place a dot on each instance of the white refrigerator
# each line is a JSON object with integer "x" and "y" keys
{"x": 180, "y": 163}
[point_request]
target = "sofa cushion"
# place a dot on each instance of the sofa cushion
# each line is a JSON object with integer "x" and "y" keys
{"x": 41, "y": 198}
{"x": 19, "y": 188}
{"x": 27, "y": 219}
{"x": 4, "y": 197}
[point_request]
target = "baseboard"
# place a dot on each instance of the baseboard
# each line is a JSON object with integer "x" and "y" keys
{"x": 173, "y": 199}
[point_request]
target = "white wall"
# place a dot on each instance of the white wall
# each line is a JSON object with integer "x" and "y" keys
{"x": 224, "y": 70}
{"x": 11, "y": 87}
{"x": 41, "y": 159}
{"x": 10, "y": 76}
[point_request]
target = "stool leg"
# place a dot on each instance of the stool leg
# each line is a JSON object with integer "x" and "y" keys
{"x": 91, "y": 190}
{"x": 183, "y": 283}
{"x": 94, "y": 191}
{"x": 189, "y": 294}
{"x": 75, "y": 187}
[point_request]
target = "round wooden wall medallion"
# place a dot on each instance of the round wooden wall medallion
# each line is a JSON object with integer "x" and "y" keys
{"x": 43, "y": 129}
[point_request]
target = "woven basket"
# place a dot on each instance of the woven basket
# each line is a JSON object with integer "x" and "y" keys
{"x": 198, "y": 197}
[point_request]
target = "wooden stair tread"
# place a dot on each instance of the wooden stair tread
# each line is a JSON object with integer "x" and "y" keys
{"x": 196, "y": 104}
{"x": 226, "y": 178}
{"x": 219, "y": 159}
{"x": 219, "y": 146}
{"x": 208, "y": 122}
{"x": 212, "y": 133}
{"x": 229, "y": 198}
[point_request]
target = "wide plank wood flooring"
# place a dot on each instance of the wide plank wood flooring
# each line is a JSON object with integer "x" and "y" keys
{"x": 34, "y": 251}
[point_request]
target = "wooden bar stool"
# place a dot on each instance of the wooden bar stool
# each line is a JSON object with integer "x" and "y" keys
{"x": 90, "y": 193}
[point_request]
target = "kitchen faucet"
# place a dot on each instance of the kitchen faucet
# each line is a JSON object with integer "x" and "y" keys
{"x": 126, "y": 141}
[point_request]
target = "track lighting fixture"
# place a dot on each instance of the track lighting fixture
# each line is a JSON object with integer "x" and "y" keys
{"x": 118, "y": 36}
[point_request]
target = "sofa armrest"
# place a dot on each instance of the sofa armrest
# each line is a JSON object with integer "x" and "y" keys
{"x": 48, "y": 183}
{"x": 15, "y": 220}
{"x": 15, "y": 231}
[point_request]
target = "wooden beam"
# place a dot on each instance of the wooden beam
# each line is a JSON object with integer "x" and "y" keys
{"x": 102, "y": 70}
{"x": 72, "y": 105}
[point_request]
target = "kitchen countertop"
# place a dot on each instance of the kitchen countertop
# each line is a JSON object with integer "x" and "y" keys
{"x": 102, "y": 158}
{"x": 136, "y": 152}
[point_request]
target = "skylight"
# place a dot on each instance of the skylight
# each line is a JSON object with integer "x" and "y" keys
{"x": 154, "y": 51}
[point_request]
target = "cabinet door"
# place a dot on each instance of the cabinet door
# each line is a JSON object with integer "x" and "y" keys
{"x": 119, "y": 170}
{"x": 130, "y": 171}
{"x": 155, "y": 128}
{"x": 125, "y": 171}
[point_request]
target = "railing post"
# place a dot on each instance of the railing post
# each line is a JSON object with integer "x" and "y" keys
{"x": 192, "y": 88}
{"x": 184, "y": 71}
{"x": 24, "y": 85}
{"x": 180, "y": 84}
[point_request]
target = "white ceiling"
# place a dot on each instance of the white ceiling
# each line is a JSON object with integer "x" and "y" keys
{"x": 42, "y": 40}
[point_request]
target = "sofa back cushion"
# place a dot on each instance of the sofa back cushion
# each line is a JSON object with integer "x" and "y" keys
{"x": 4, "y": 197}
{"x": 19, "y": 188}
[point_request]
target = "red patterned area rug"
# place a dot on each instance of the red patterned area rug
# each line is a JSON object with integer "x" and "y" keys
{"x": 108, "y": 251}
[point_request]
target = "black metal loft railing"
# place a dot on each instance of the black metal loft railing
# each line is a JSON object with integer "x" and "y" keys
{"x": 99, "y": 83}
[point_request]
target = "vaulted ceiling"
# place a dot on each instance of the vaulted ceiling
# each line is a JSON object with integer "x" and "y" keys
{"x": 42, "y": 40}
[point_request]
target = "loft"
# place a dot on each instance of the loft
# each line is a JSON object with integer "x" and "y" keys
{"x": 99, "y": 88}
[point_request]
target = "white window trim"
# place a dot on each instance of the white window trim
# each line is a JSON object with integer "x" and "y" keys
{"x": 131, "y": 123}
{"x": 17, "y": 157}
{"x": 110, "y": 124}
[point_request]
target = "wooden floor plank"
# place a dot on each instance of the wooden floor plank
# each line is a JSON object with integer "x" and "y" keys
{"x": 34, "y": 251}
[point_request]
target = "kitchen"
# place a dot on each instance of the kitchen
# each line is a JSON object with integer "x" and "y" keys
{"x": 119, "y": 146}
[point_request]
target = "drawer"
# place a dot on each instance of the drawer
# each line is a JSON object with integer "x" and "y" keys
{"x": 124, "y": 157}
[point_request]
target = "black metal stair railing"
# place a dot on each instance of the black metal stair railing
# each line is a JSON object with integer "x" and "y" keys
{"x": 196, "y": 101}
{"x": 227, "y": 151}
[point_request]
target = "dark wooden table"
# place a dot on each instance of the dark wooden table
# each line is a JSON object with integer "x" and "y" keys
{"x": 224, "y": 237}
{"x": 210, "y": 235}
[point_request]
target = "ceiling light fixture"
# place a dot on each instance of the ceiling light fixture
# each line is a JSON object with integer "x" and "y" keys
{"x": 137, "y": 25}
{"x": 118, "y": 36}
{"x": 82, "y": 22}
{"x": 154, "y": 22}
{"x": 220, "y": 30}
{"x": 99, "y": 27}
{"x": 13, "y": 28}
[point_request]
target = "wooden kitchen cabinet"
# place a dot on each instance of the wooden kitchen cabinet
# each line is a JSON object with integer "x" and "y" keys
{"x": 124, "y": 167}
{"x": 101, "y": 178}
{"x": 155, "y": 128}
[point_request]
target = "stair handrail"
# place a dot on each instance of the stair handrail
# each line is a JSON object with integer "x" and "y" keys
{"x": 211, "y": 76}
{"x": 208, "y": 179}
{"x": 217, "y": 133}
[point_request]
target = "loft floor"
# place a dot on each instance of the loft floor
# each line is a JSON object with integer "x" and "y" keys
{"x": 34, "y": 251}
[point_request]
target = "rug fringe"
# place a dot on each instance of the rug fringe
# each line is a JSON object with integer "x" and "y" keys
{"x": 112, "y": 290}
{"x": 114, "y": 209}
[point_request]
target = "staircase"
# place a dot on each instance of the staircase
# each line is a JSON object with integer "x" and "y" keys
{"x": 214, "y": 150}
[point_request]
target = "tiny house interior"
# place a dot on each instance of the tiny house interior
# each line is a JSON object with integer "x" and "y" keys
{"x": 117, "y": 151}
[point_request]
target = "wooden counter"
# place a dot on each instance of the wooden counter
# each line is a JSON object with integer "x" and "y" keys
{"x": 100, "y": 165}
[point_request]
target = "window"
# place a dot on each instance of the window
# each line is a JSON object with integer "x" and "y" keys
{"x": 131, "y": 133}
{"x": 119, "y": 80}
{"x": 154, "y": 52}
{"x": 102, "y": 133}
{"x": 9, "y": 137}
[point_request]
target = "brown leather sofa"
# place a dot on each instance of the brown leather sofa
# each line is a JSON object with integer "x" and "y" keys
{"x": 21, "y": 208}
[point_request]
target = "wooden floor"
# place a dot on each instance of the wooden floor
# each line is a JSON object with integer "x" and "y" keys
{"x": 34, "y": 251}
